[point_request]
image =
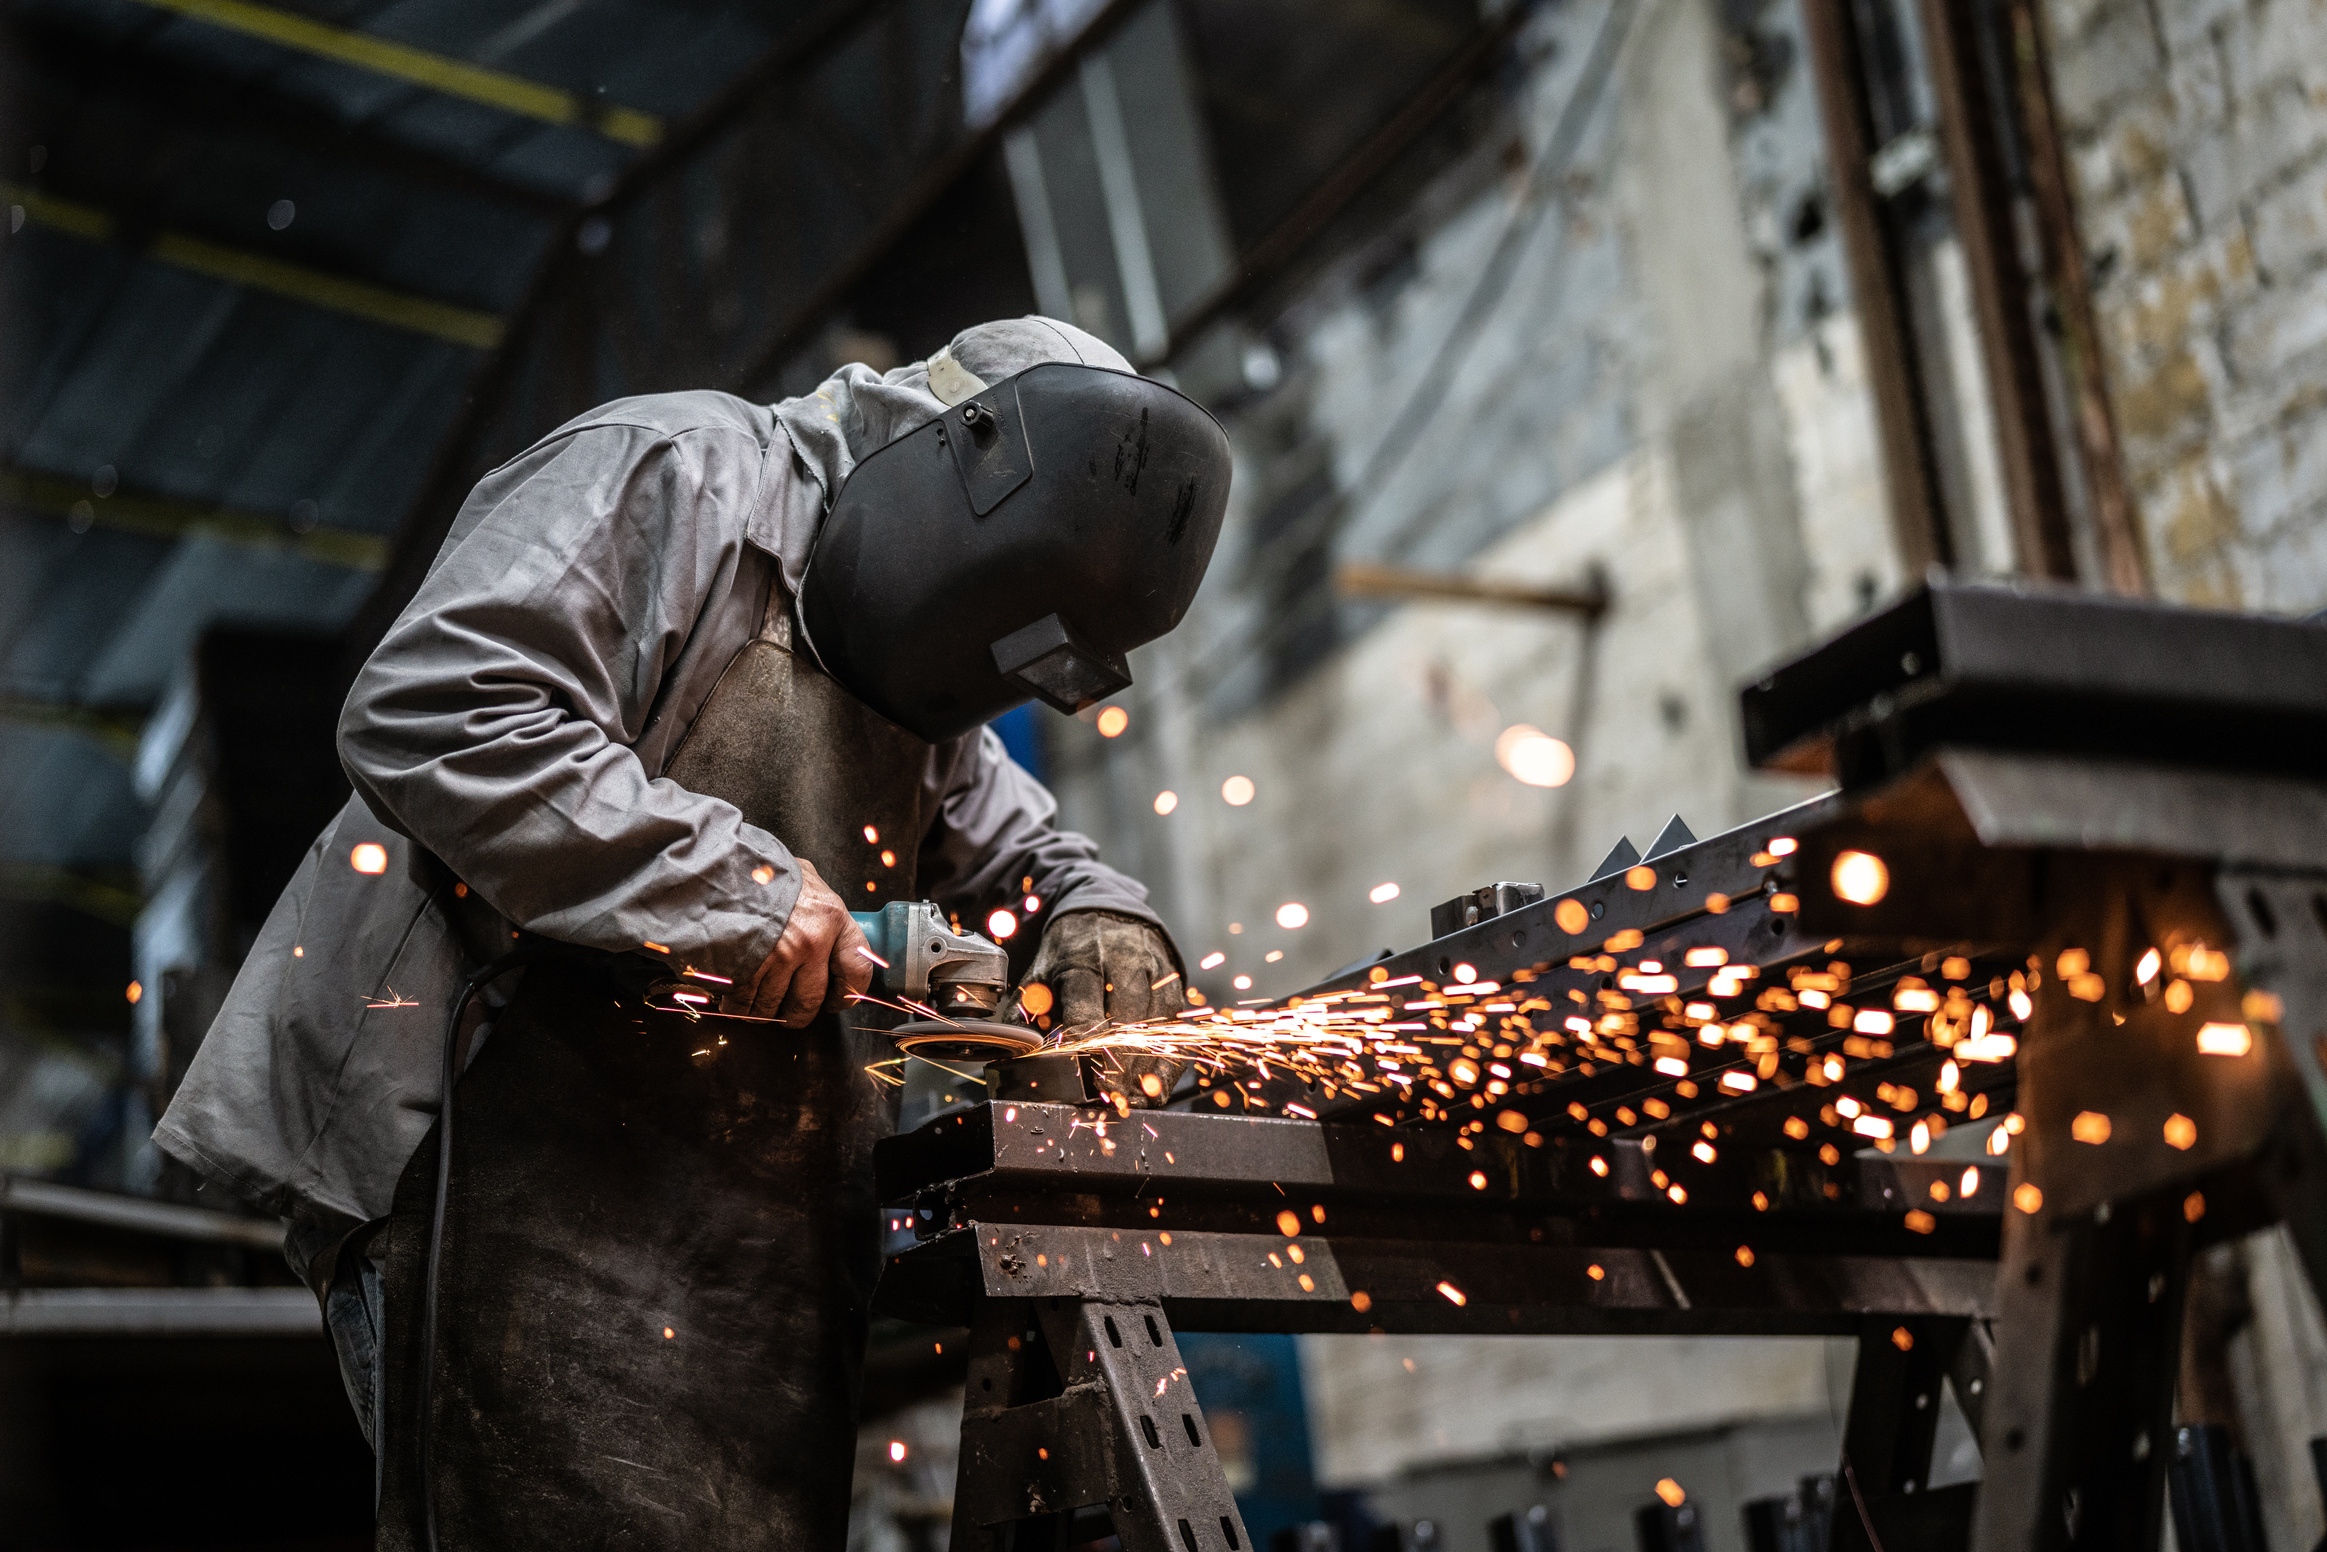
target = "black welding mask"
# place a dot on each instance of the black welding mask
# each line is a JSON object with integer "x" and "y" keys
{"x": 1016, "y": 548}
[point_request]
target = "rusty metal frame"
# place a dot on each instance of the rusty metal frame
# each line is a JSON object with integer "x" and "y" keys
{"x": 1988, "y": 73}
{"x": 1082, "y": 1404}
{"x": 1978, "y": 171}
{"x": 1877, "y": 291}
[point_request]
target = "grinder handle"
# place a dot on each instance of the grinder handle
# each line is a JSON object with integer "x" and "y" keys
{"x": 884, "y": 932}
{"x": 874, "y": 925}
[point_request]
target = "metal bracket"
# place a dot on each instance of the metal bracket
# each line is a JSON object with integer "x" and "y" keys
{"x": 987, "y": 436}
{"x": 1082, "y": 1403}
{"x": 1886, "y": 1446}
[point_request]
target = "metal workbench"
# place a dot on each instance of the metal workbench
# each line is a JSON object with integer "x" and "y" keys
{"x": 2055, "y": 787}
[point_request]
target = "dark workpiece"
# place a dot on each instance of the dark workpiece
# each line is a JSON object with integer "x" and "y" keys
{"x": 690, "y": 681}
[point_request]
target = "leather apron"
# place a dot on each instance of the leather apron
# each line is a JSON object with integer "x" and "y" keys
{"x": 661, "y": 1236}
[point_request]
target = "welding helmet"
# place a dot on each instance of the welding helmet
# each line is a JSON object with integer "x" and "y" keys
{"x": 1016, "y": 548}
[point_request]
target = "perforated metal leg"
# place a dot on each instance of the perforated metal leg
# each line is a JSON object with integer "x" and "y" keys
{"x": 1885, "y": 1481}
{"x": 1082, "y": 1404}
{"x": 2096, "y": 1252}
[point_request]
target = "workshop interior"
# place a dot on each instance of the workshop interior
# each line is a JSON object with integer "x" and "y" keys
{"x": 1690, "y": 637}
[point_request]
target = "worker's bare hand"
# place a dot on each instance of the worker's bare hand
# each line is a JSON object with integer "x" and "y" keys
{"x": 821, "y": 958}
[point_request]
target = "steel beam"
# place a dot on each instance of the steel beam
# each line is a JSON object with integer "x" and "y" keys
{"x": 28, "y": 1312}
{"x": 1250, "y": 1282}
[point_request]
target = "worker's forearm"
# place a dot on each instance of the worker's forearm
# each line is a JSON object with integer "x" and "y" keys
{"x": 573, "y": 842}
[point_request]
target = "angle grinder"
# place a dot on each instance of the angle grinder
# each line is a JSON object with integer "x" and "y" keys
{"x": 959, "y": 977}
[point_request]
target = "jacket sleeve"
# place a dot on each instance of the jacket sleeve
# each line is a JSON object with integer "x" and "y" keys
{"x": 996, "y": 828}
{"x": 492, "y": 723}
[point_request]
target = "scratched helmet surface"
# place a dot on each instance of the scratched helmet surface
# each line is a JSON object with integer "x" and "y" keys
{"x": 1016, "y": 548}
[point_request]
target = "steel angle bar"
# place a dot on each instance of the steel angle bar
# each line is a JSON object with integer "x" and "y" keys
{"x": 1178, "y": 1172}
{"x": 1998, "y": 667}
{"x": 2088, "y": 1339}
{"x": 1696, "y": 885}
{"x": 1097, "y": 1148}
{"x": 1248, "y": 1282}
{"x": 1044, "y": 1146}
{"x": 2037, "y": 800}
{"x": 1886, "y": 1499}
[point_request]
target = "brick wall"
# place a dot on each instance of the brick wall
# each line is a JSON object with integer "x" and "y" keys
{"x": 2196, "y": 133}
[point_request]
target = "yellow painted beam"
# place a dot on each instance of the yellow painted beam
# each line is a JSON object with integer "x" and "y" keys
{"x": 317, "y": 288}
{"x": 116, "y": 735}
{"x": 453, "y": 77}
{"x": 158, "y": 518}
{"x": 336, "y": 293}
{"x": 64, "y": 215}
{"x": 32, "y": 881}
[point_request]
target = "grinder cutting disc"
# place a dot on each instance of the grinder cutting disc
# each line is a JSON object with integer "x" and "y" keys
{"x": 965, "y": 1040}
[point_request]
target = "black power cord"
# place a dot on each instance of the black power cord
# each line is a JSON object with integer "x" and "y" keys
{"x": 1865, "y": 1521}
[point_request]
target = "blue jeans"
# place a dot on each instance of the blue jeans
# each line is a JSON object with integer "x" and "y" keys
{"x": 355, "y": 1313}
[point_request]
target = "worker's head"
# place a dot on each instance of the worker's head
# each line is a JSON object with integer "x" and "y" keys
{"x": 1006, "y": 521}
{"x": 857, "y": 411}
{"x": 993, "y": 351}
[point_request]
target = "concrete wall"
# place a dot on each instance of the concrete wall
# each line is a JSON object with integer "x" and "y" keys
{"x": 1413, "y": 1403}
{"x": 2197, "y": 139}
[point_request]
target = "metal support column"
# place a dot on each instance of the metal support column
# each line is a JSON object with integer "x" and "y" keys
{"x": 2093, "y": 1313}
{"x": 1895, "y": 1398}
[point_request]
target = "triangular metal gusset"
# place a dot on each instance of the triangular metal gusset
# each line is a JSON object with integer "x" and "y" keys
{"x": 1675, "y": 835}
{"x": 1617, "y": 861}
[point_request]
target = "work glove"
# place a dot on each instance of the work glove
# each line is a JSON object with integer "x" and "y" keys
{"x": 1094, "y": 966}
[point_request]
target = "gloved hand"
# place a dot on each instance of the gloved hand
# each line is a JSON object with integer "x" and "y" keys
{"x": 1096, "y": 965}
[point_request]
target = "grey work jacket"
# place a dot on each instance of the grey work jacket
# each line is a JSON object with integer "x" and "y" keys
{"x": 506, "y": 742}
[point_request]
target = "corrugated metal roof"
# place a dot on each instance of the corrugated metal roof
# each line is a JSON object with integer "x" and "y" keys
{"x": 257, "y": 257}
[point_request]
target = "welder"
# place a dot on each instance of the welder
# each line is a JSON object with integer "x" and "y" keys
{"x": 689, "y": 681}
